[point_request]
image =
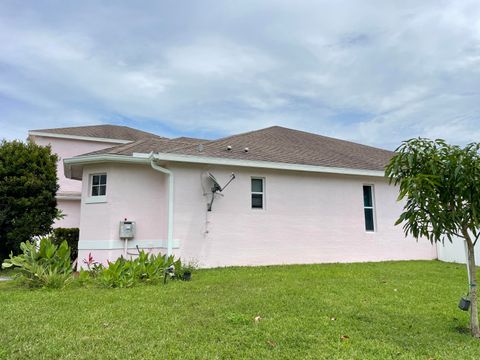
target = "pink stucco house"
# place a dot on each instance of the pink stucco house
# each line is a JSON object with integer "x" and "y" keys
{"x": 295, "y": 197}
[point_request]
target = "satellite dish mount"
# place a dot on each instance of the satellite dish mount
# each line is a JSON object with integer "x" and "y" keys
{"x": 217, "y": 188}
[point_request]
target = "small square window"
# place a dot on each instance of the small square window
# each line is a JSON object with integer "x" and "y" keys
{"x": 98, "y": 185}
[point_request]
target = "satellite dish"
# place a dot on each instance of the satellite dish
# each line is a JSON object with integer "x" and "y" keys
{"x": 217, "y": 187}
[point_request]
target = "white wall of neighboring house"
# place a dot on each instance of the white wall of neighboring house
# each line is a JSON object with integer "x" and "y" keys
{"x": 455, "y": 251}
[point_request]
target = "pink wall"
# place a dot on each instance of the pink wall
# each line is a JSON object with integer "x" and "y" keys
{"x": 66, "y": 148}
{"x": 309, "y": 218}
{"x": 133, "y": 192}
{"x": 71, "y": 210}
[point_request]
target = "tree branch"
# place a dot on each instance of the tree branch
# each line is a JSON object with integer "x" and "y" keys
{"x": 476, "y": 238}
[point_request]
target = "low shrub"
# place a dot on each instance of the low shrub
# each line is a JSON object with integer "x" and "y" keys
{"x": 42, "y": 265}
{"x": 70, "y": 235}
{"x": 148, "y": 268}
{"x": 48, "y": 265}
{"x": 119, "y": 273}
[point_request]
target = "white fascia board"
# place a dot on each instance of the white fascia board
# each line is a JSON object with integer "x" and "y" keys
{"x": 77, "y": 137}
{"x": 89, "y": 159}
{"x": 95, "y": 159}
{"x": 86, "y": 159}
{"x": 261, "y": 164}
{"x": 69, "y": 197}
{"x": 144, "y": 158}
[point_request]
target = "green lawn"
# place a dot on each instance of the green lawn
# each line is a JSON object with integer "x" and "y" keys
{"x": 400, "y": 310}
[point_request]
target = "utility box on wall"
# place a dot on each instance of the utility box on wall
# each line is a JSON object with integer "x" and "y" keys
{"x": 127, "y": 229}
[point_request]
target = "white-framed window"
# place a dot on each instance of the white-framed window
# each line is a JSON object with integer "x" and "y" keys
{"x": 258, "y": 192}
{"x": 98, "y": 185}
{"x": 369, "y": 208}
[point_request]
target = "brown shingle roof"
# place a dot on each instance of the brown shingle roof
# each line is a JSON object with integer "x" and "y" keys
{"x": 190, "y": 140}
{"x": 274, "y": 144}
{"x": 144, "y": 146}
{"x": 102, "y": 131}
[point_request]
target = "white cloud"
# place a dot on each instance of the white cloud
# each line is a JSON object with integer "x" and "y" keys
{"x": 218, "y": 59}
{"x": 373, "y": 72}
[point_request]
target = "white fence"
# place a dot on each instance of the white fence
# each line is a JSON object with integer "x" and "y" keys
{"x": 455, "y": 251}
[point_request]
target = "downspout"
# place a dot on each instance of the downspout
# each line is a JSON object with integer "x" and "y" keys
{"x": 170, "y": 203}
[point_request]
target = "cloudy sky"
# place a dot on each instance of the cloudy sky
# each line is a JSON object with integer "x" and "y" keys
{"x": 375, "y": 72}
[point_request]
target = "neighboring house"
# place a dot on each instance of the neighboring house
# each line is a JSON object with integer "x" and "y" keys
{"x": 296, "y": 197}
{"x": 72, "y": 141}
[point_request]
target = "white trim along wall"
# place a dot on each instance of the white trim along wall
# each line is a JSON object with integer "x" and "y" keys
{"x": 120, "y": 244}
{"x": 141, "y": 158}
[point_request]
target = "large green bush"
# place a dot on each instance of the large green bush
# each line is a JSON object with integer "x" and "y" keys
{"x": 28, "y": 184}
{"x": 42, "y": 265}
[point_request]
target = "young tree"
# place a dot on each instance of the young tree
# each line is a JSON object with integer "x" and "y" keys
{"x": 28, "y": 184}
{"x": 441, "y": 185}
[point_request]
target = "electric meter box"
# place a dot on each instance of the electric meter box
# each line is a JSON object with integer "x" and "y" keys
{"x": 127, "y": 229}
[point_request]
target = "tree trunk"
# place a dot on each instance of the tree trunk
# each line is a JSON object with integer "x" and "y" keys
{"x": 474, "y": 327}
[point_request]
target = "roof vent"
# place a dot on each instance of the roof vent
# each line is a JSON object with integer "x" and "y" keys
{"x": 229, "y": 148}
{"x": 200, "y": 147}
{"x": 246, "y": 149}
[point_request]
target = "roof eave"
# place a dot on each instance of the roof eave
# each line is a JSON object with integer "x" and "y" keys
{"x": 77, "y": 137}
{"x": 73, "y": 167}
{"x": 263, "y": 164}
{"x": 145, "y": 158}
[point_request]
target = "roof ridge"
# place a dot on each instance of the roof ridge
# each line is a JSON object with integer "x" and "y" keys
{"x": 330, "y": 138}
{"x": 188, "y": 137}
{"x": 222, "y": 139}
{"x": 245, "y": 133}
{"x": 185, "y": 147}
{"x": 278, "y": 127}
